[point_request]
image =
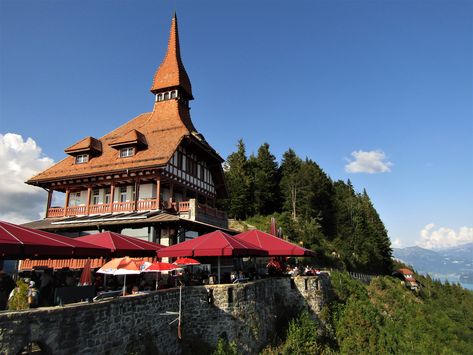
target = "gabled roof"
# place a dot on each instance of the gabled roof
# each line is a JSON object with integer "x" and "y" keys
{"x": 133, "y": 137}
{"x": 171, "y": 73}
{"x": 160, "y": 131}
{"x": 163, "y": 128}
{"x": 86, "y": 145}
{"x": 405, "y": 271}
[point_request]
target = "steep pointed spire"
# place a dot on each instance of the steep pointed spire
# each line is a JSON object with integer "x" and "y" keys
{"x": 171, "y": 73}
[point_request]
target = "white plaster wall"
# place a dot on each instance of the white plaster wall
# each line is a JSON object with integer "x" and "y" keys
{"x": 147, "y": 191}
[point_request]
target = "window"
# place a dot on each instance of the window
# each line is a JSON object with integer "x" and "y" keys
{"x": 74, "y": 199}
{"x": 173, "y": 94}
{"x": 133, "y": 193}
{"x": 82, "y": 158}
{"x": 123, "y": 194}
{"x": 96, "y": 197}
{"x": 179, "y": 159}
{"x": 106, "y": 195}
{"x": 127, "y": 152}
{"x": 166, "y": 96}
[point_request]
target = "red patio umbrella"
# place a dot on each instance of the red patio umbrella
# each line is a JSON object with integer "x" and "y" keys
{"x": 86, "y": 277}
{"x": 186, "y": 261}
{"x": 158, "y": 267}
{"x": 122, "y": 245}
{"x": 216, "y": 243}
{"x": 274, "y": 246}
{"x": 22, "y": 242}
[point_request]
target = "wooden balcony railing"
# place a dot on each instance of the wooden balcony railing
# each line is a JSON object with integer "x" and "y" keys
{"x": 146, "y": 205}
{"x": 124, "y": 206}
{"x": 56, "y": 212}
{"x": 103, "y": 208}
{"x": 141, "y": 205}
{"x": 99, "y": 209}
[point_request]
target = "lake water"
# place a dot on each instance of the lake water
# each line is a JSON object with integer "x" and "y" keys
{"x": 467, "y": 286}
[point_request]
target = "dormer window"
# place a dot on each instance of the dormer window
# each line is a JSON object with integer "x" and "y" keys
{"x": 169, "y": 95}
{"x": 127, "y": 152}
{"x": 82, "y": 158}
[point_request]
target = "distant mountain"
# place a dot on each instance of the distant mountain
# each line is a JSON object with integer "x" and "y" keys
{"x": 453, "y": 264}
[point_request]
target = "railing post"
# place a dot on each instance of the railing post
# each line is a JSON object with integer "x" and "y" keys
{"x": 89, "y": 194}
{"x": 66, "y": 202}
{"x": 158, "y": 193}
{"x": 112, "y": 196}
{"x": 137, "y": 194}
{"x": 48, "y": 203}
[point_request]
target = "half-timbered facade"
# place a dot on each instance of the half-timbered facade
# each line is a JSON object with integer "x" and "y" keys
{"x": 155, "y": 173}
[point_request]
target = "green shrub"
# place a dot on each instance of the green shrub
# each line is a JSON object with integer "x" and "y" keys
{"x": 301, "y": 336}
{"x": 19, "y": 300}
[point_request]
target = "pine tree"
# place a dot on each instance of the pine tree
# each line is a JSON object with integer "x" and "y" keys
{"x": 265, "y": 181}
{"x": 291, "y": 185}
{"x": 238, "y": 183}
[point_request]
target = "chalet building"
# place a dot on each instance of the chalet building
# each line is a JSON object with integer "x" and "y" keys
{"x": 407, "y": 278}
{"x": 154, "y": 177}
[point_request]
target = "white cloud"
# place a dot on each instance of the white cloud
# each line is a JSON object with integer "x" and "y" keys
{"x": 370, "y": 162}
{"x": 20, "y": 160}
{"x": 431, "y": 238}
{"x": 396, "y": 243}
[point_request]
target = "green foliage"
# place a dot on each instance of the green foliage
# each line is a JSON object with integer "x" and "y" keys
{"x": 238, "y": 182}
{"x": 385, "y": 317}
{"x": 265, "y": 181}
{"x": 301, "y": 336}
{"x": 225, "y": 348}
{"x": 342, "y": 226}
{"x": 19, "y": 300}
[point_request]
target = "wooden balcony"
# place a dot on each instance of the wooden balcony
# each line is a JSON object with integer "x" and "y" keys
{"x": 102, "y": 208}
{"x": 186, "y": 209}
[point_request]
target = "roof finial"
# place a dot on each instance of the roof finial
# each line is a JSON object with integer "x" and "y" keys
{"x": 171, "y": 73}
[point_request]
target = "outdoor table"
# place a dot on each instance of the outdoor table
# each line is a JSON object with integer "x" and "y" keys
{"x": 241, "y": 280}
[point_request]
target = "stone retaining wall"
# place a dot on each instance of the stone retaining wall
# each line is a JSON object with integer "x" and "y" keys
{"x": 249, "y": 314}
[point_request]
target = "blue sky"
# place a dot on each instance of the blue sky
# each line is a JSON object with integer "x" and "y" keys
{"x": 391, "y": 80}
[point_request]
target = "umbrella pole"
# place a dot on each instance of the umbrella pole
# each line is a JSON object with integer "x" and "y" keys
{"x": 180, "y": 303}
{"x": 124, "y": 286}
{"x": 218, "y": 270}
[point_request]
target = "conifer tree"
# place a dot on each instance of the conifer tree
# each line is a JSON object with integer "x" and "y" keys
{"x": 265, "y": 181}
{"x": 238, "y": 182}
{"x": 291, "y": 185}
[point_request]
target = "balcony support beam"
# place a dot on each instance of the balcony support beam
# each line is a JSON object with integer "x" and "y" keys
{"x": 112, "y": 195}
{"x": 48, "y": 203}
{"x": 89, "y": 194}
{"x": 66, "y": 203}
{"x": 137, "y": 194}
{"x": 158, "y": 193}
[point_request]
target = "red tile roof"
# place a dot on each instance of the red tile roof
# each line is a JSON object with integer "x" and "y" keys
{"x": 88, "y": 144}
{"x": 405, "y": 271}
{"x": 163, "y": 128}
{"x": 131, "y": 138}
{"x": 171, "y": 72}
{"x": 158, "y": 133}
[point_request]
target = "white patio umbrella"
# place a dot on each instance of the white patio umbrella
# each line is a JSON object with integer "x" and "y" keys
{"x": 120, "y": 266}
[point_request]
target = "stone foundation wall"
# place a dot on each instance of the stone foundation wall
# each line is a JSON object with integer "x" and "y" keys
{"x": 248, "y": 314}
